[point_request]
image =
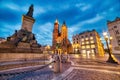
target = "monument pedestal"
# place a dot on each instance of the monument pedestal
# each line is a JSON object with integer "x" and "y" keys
{"x": 27, "y": 23}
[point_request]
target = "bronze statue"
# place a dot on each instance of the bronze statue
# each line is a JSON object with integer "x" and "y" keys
{"x": 30, "y": 12}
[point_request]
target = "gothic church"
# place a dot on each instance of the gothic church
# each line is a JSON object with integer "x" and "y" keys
{"x": 60, "y": 42}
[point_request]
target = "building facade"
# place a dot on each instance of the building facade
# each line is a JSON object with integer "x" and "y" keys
{"x": 88, "y": 44}
{"x": 114, "y": 31}
{"x": 60, "y": 42}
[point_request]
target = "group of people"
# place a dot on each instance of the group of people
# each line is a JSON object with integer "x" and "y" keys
{"x": 60, "y": 57}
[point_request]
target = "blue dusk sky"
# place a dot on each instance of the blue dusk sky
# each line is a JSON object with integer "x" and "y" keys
{"x": 80, "y": 15}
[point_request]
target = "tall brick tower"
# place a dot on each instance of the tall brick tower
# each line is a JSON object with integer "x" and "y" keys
{"x": 64, "y": 36}
{"x": 60, "y": 42}
{"x": 55, "y": 33}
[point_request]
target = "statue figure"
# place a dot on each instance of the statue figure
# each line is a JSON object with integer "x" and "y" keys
{"x": 30, "y": 12}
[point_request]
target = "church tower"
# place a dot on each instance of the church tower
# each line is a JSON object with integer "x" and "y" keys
{"x": 64, "y": 36}
{"x": 60, "y": 41}
{"x": 55, "y": 33}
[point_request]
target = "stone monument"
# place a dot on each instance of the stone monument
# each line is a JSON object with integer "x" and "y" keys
{"x": 23, "y": 38}
{"x": 28, "y": 20}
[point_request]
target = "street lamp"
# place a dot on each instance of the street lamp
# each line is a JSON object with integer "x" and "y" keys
{"x": 110, "y": 59}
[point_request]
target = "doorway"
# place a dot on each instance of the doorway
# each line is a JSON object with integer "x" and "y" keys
{"x": 88, "y": 54}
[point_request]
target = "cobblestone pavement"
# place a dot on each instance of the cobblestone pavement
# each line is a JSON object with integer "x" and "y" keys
{"x": 42, "y": 74}
{"x": 92, "y": 72}
{"x": 79, "y": 74}
{"x": 78, "y": 69}
{"x": 91, "y": 69}
{"x": 47, "y": 73}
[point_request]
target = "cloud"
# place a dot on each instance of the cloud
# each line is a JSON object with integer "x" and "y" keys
{"x": 80, "y": 15}
{"x": 89, "y": 21}
{"x": 80, "y": 26}
{"x": 93, "y": 20}
{"x": 12, "y": 6}
{"x": 44, "y": 33}
{"x": 8, "y": 29}
{"x": 38, "y": 10}
{"x": 80, "y": 4}
{"x": 71, "y": 32}
{"x": 83, "y": 6}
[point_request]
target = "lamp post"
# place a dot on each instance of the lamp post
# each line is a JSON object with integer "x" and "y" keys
{"x": 110, "y": 59}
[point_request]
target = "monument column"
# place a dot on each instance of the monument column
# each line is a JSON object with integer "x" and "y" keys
{"x": 28, "y": 20}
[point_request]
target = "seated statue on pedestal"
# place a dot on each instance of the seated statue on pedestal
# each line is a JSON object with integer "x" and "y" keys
{"x": 30, "y": 12}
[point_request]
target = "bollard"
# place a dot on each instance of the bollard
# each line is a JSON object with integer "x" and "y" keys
{"x": 57, "y": 63}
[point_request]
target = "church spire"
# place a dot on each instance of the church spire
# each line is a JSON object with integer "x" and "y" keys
{"x": 56, "y": 21}
{"x": 64, "y": 24}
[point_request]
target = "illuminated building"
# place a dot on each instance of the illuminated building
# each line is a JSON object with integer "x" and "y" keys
{"x": 88, "y": 44}
{"x": 60, "y": 40}
{"x": 114, "y": 31}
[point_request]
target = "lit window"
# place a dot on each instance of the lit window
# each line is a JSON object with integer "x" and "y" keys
{"x": 91, "y": 41}
{"x": 82, "y": 40}
{"x": 83, "y": 47}
{"x": 92, "y": 46}
{"x": 87, "y": 42}
{"x": 83, "y": 51}
{"x": 86, "y": 38}
{"x": 87, "y": 46}
{"x": 83, "y": 43}
{"x": 92, "y": 51}
{"x": 91, "y": 37}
